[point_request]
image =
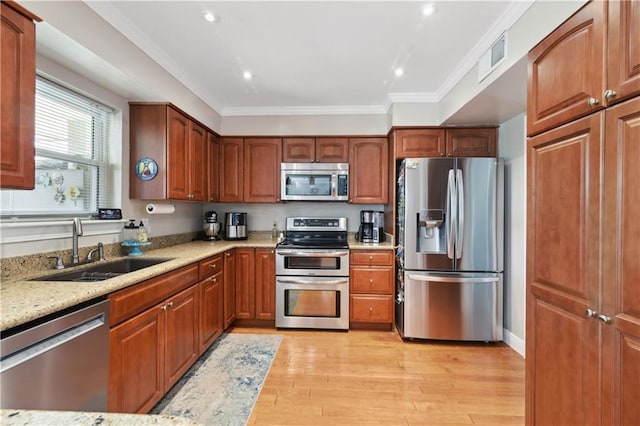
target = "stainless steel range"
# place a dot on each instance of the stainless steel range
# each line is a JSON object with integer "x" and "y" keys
{"x": 312, "y": 274}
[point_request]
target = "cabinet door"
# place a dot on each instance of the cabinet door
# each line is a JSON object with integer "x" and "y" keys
{"x": 17, "y": 103}
{"x": 332, "y": 150}
{"x": 177, "y": 151}
{"x": 621, "y": 273}
{"x": 419, "y": 143}
{"x": 197, "y": 164}
{"x": 298, "y": 150}
{"x": 182, "y": 334}
{"x": 230, "y": 165}
{"x": 265, "y": 284}
{"x": 262, "y": 157}
{"x": 245, "y": 284}
{"x": 562, "y": 347}
{"x": 212, "y": 168}
{"x": 623, "y": 72}
{"x": 136, "y": 362}
{"x": 471, "y": 142}
{"x": 229, "y": 289}
{"x": 211, "y": 310}
{"x": 566, "y": 70}
{"x": 368, "y": 171}
{"x": 371, "y": 308}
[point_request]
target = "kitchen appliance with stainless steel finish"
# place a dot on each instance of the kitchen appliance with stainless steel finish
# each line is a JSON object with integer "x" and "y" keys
{"x": 314, "y": 181}
{"x": 450, "y": 249}
{"x": 235, "y": 227}
{"x": 371, "y": 227}
{"x": 59, "y": 364}
{"x": 312, "y": 274}
{"x": 211, "y": 226}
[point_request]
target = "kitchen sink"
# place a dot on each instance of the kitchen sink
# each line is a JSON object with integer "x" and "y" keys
{"x": 104, "y": 270}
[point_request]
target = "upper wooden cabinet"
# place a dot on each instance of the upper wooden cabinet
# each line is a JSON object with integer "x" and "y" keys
{"x": 262, "y": 157}
{"x": 315, "y": 150}
{"x": 586, "y": 64}
{"x": 440, "y": 142}
{"x": 177, "y": 144}
{"x": 213, "y": 182}
{"x": 231, "y": 158}
{"x": 17, "y": 97}
{"x": 368, "y": 170}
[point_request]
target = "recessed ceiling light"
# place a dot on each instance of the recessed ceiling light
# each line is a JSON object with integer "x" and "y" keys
{"x": 398, "y": 72}
{"x": 428, "y": 10}
{"x": 247, "y": 75}
{"x": 209, "y": 16}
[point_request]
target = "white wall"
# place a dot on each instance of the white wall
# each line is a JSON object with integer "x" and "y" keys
{"x": 348, "y": 124}
{"x": 512, "y": 147}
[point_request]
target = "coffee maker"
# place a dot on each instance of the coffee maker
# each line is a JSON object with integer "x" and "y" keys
{"x": 371, "y": 227}
{"x": 211, "y": 226}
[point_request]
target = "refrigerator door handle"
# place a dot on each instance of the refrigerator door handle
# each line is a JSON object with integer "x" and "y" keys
{"x": 452, "y": 213}
{"x": 460, "y": 214}
{"x": 453, "y": 279}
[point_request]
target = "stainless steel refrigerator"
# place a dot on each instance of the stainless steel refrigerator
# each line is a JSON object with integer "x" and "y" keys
{"x": 450, "y": 220}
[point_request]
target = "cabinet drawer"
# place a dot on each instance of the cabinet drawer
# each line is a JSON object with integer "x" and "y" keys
{"x": 371, "y": 308}
{"x": 210, "y": 266}
{"x": 365, "y": 279}
{"x": 130, "y": 301}
{"x": 373, "y": 257}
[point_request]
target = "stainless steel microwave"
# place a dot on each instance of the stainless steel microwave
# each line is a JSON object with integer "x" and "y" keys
{"x": 314, "y": 181}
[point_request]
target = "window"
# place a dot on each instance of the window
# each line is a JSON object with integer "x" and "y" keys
{"x": 71, "y": 134}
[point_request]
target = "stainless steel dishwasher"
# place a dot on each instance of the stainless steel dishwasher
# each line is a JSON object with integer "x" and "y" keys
{"x": 59, "y": 364}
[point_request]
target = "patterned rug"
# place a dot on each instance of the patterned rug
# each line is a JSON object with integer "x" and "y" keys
{"x": 221, "y": 388}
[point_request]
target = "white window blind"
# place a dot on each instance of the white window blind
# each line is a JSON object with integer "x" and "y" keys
{"x": 71, "y": 139}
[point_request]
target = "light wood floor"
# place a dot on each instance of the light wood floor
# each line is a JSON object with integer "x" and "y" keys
{"x": 368, "y": 377}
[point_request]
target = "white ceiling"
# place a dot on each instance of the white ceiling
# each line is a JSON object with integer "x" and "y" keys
{"x": 313, "y": 56}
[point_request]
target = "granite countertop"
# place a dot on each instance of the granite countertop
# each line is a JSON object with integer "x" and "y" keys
{"x": 10, "y": 417}
{"x": 22, "y": 301}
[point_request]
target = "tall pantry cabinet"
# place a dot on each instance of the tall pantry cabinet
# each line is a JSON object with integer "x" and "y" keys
{"x": 583, "y": 272}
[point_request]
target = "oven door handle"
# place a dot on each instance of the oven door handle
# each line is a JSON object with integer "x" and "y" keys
{"x": 298, "y": 281}
{"x": 315, "y": 253}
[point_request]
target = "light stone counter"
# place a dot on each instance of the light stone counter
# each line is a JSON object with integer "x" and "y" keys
{"x": 22, "y": 301}
{"x": 357, "y": 245}
{"x": 55, "y": 418}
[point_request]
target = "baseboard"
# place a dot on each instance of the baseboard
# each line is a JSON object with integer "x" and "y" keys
{"x": 513, "y": 341}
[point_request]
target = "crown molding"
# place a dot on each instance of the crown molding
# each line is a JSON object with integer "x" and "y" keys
{"x": 304, "y": 110}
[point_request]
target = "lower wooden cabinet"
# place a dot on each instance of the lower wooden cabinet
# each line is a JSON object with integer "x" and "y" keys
{"x": 265, "y": 279}
{"x": 229, "y": 288}
{"x": 371, "y": 276}
{"x": 211, "y": 301}
{"x": 255, "y": 284}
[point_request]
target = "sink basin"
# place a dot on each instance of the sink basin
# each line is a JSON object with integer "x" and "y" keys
{"x": 103, "y": 271}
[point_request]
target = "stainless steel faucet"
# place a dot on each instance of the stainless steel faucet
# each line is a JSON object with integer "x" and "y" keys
{"x": 76, "y": 229}
{"x": 100, "y": 250}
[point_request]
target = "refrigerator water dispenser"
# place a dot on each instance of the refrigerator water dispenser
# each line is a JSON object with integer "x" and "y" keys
{"x": 431, "y": 233}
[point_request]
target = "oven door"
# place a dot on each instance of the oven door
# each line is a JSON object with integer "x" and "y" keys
{"x": 312, "y": 262}
{"x": 312, "y": 302}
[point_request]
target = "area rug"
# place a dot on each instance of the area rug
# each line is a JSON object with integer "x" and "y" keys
{"x": 221, "y": 388}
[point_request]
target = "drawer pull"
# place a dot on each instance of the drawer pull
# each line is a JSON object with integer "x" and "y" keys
{"x": 370, "y": 280}
{"x": 213, "y": 266}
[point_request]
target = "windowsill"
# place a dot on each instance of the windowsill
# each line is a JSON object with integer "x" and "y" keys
{"x": 19, "y": 231}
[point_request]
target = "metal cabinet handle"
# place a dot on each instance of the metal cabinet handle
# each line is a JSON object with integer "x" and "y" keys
{"x": 213, "y": 266}
{"x": 605, "y": 319}
{"x": 214, "y": 279}
{"x": 370, "y": 308}
{"x": 609, "y": 94}
{"x": 590, "y": 313}
{"x": 593, "y": 102}
{"x": 370, "y": 280}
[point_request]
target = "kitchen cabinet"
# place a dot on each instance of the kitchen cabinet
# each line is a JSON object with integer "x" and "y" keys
{"x": 262, "y": 158}
{"x": 211, "y": 300}
{"x": 583, "y": 321}
{"x": 588, "y": 63}
{"x": 315, "y": 150}
{"x": 255, "y": 284}
{"x": 440, "y": 142}
{"x": 229, "y": 288}
{"x": 245, "y": 283}
{"x": 153, "y": 339}
{"x": 368, "y": 170}
{"x": 17, "y": 97}
{"x": 213, "y": 186}
{"x": 177, "y": 144}
{"x": 231, "y": 160}
{"x": 371, "y": 276}
{"x": 265, "y": 282}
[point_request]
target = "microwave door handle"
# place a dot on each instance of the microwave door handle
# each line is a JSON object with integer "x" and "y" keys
{"x": 334, "y": 185}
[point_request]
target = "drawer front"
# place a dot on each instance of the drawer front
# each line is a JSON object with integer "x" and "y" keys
{"x": 135, "y": 299}
{"x": 371, "y": 280}
{"x": 210, "y": 266}
{"x": 373, "y": 257}
{"x": 371, "y": 308}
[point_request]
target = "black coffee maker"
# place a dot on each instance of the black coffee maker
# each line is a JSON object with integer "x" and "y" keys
{"x": 371, "y": 227}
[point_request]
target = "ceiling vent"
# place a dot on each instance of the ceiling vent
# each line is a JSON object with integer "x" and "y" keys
{"x": 492, "y": 57}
